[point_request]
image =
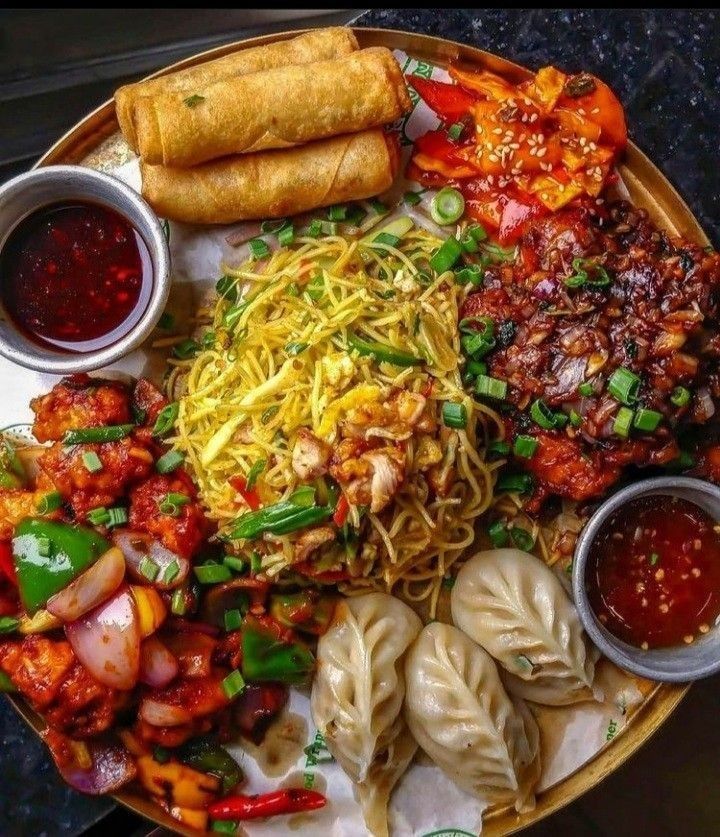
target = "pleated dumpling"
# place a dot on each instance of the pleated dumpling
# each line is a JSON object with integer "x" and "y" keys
{"x": 460, "y": 714}
{"x": 357, "y": 697}
{"x": 513, "y": 605}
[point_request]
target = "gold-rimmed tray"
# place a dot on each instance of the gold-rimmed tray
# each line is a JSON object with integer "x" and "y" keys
{"x": 94, "y": 141}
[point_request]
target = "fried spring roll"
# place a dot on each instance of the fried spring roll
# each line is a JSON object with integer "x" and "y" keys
{"x": 275, "y": 108}
{"x": 318, "y": 45}
{"x": 274, "y": 184}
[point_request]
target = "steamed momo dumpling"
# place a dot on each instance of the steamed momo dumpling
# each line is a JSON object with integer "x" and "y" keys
{"x": 460, "y": 714}
{"x": 357, "y": 696}
{"x": 512, "y": 604}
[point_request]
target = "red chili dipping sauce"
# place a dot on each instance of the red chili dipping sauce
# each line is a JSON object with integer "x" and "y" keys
{"x": 654, "y": 576}
{"x": 75, "y": 276}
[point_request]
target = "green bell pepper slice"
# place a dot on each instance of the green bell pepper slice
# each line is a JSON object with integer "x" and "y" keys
{"x": 6, "y": 684}
{"x": 207, "y": 756}
{"x": 48, "y": 555}
{"x": 382, "y": 352}
{"x": 269, "y": 659}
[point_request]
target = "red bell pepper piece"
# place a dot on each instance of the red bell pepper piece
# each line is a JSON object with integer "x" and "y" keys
{"x": 436, "y": 144}
{"x": 250, "y": 495}
{"x": 449, "y": 101}
{"x": 285, "y": 801}
{"x": 7, "y": 565}
{"x": 515, "y": 214}
{"x": 341, "y": 512}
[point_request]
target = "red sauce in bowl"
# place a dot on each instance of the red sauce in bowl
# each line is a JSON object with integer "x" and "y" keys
{"x": 76, "y": 277}
{"x": 654, "y": 573}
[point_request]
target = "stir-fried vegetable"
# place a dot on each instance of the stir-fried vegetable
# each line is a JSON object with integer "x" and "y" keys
{"x": 285, "y": 801}
{"x": 206, "y": 755}
{"x": 277, "y": 519}
{"x": 305, "y": 610}
{"x": 267, "y": 657}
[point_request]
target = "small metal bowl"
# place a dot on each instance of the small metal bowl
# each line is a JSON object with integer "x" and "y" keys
{"x": 42, "y": 187}
{"x": 676, "y": 664}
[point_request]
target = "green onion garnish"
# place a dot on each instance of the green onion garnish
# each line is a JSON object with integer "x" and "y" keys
{"x": 92, "y": 462}
{"x": 337, "y": 213}
{"x": 273, "y": 225}
{"x": 233, "y": 685}
{"x": 161, "y": 755}
{"x": 586, "y": 389}
{"x": 355, "y": 215}
{"x": 412, "y": 198}
{"x": 254, "y": 472}
{"x": 378, "y": 207}
{"x": 654, "y": 558}
{"x": 255, "y": 563}
{"x": 149, "y": 569}
{"x": 303, "y": 496}
{"x": 491, "y": 387}
{"x": 499, "y": 447}
{"x": 225, "y": 826}
{"x": 208, "y": 339}
{"x": 386, "y": 239}
{"x": 8, "y": 624}
{"x": 99, "y": 435}
{"x": 447, "y": 255}
{"x": 329, "y": 227}
{"x": 447, "y": 206}
{"x": 472, "y": 274}
{"x": 680, "y": 396}
{"x": 233, "y": 619}
{"x": 172, "y": 502}
{"x": 476, "y": 345}
{"x": 623, "y": 421}
{"x": 266, "y": 415}
{"x": 98, "y": 516}
{"x": 185, "y": 349}
{"x": 561, "y": 420}
{"x": 542, "y": 415}
{"x": 49, "y": 502}
{"x": 165, "y": 421}
{"x": 455, "y": 130}
{"x": 624, "y": 385}
{"x": 171, "y": 572}
{"x": 44, "y": 546}
{"x": 234, "y": 563}
{"x": 476, "y": 367}
{"x": 166, "y": 321}
{"x": 315, "y": 228}
{"x": 522, "y": 538}
{"x": 286, "y": 235}
{"x": 226, "y": 287}
{"x": 116, "y": 516}
{"x": 525, "y": 446}
{"x": 178, "y": 602}
{"x": 521, "y": 483}
{"x": 647, "y": 420}
{"x": 575, "y": 418}
{"x": 293, "y": 349}
{"x": 477, "y": 232}
{"x": 169, "y": 461}
{"x": 258, "y": 248}
{"x": 212, "y": 573}
{"x": 454, "y": 415}
{"x": 498, "y": 534}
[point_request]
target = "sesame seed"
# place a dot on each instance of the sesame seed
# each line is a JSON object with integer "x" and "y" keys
{"x": 541, "y": 138}
{"x": 595, "y": 110}
{"x": 544, "y": 195}
{"x": 581, "y": 111}
{"x": 561, "y": 186}
{"x": 497, "y": 131}
{"x": 664, "y": 608}
{"x": 704, "y": 628}
{"x": 533, "y": 117}
{"x": 640, "y": 587}
{"x": 489, "y": 146}
{"x": 660, "y": 574}
{"x": 696, "y": 573}
{"x": 582, "y": 141}
{"x": 524, "y": 118}
{"x": 493, "y": 158}
{"x": 491, "y": 179}
{"x": 533, "y": 151}
{"x": 542, "y": 151}
{"x": 688, "y": 639}
{"x": 592, "y": 146}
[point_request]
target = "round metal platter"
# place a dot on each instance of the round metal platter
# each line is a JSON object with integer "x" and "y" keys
{"x": 92, "y": 142}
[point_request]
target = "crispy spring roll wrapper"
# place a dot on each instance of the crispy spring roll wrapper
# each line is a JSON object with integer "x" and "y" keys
{"x": 275, "y": 108}
{"x": 318, "y": 45}
{"x": 274, "y": 184}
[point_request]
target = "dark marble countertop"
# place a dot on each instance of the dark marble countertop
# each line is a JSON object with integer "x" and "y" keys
{"x": 665, "y": 66}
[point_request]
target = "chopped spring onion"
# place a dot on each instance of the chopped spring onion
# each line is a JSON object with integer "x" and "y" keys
{"x": 469, "y": 325}
{"x": 498, "y": 534}
{"x": 647, "y": 420}
{"x": 455, "y": 130}
{"x": 149, "y": 569}
{"x": 303, "y": 496}
{"x": 234, "y": 563}
{"x": 315, "y": 228}
{"x": 477, "y": 232}
{"x": 412, "y": 198}
{"x": 185, "y": 349}
{"x": 116, "y": 516}
{"x": 98, "y": 516}
{"x": 542, "y": 415}
{"x": 212, "y": 573}
{"x": 522, "y": 538}
{"x": 477, "y": 345}
{"x": 233, "y": 685}
{"x": 178, "y": 602}
{"x": 233, "y": 619}
{"x": 166, "y": 419}
{"x": 500, "y": 447}
{"x": 575, "y": 418}
{"x": 624, "y": 385}
{"x": 521, "y": 483}
{"x": 447, "y": 255}
{"x": 208, "y": 340}
{"x": 454, "y": 415}
{"x": 92, "y": 435}
{"x": 476, "y": 367}
{"x": 258, "y": 248}
{"x": 586, "y": 389}
{"x": 92, "y": 462}
{"x": 49, "y": 502}
{"x": 447, "y": 206}
{"x": 161, "y": 755}
{"x": 226, "y": 287}
{"x": 491, "y": 387}
{"x": 378, "y": 207}
{"x": 166, "y": 321}
{"x": 286, "y": 235}
{"x": 525, "y": 446}
{"x": 387, "y": 239}
{"x": 329, "y": 227}
{"x": 171, "y": 572}
{"x": 254, "y": 472}
{"x": 355, "y": 215}
{"x": 337, "y": 213}
{"x": 293, "y": 349}
{"x": 172, "y": 502}
{"x": 8, "y": 624}
{"x": 654, "y": 558}
{"x": 169, "y": 461}
{"x": 225, "y": 826}
{"x": 561, "y": 420}
{"x": 623, "y": 421}
{"x": 472, "y": 274}
{"x": 680, "y": 396}
{"x": 255, "y": 563}
{"x": 390, "y": 234}
{"x": 273, "y": 225}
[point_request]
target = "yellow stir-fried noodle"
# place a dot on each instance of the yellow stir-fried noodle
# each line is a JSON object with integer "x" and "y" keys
{"x": 282, "y": 359}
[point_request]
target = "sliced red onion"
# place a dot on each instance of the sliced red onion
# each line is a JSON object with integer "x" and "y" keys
{"x": 545, "y": 289}
{"x": 136, "y": 546}
{"x": 107, "y": 641}
{"x": 159, "y": 714}
{"x": 157, "y": 665}
{"x": 89, "y": 589}
{"x": 112, "y": 767}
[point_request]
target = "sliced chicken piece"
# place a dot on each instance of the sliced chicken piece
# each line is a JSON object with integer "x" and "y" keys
{"x": 310, "y": 455}
{"x": 312, "y": 539}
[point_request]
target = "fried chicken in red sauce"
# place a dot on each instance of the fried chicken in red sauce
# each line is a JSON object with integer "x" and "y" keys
{"x": 182, "y": 532}
{"x": 147, "y": 402}
{"x": 80, "y": 401}
{"x": 592, "y": 291}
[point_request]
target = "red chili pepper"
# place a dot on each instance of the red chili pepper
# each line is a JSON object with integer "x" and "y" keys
{"x": 437, "y": 145}
{"x": 515, "y": 214}
{"x": 324, "y": 576}
{"x": 250, "y": 495}
{"x": 449, "y": 101}
{"x": 287, "y": 801}
{"x": 7, "y": 565}
{"x": 341, "y": 512}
